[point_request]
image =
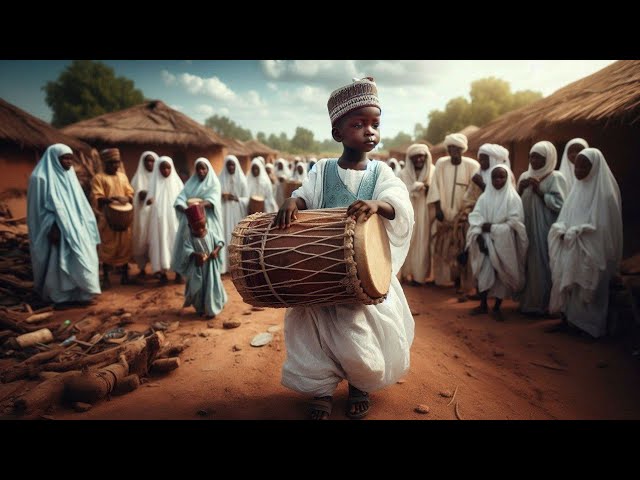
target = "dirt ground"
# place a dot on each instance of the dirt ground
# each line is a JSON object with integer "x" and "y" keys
{"x": 509, "y": 370}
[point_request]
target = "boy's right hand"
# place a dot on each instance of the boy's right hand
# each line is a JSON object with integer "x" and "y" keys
{"x": 287, "y": 213}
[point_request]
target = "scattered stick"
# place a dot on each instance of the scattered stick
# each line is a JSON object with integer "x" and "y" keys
{"x": 458, "y": 416}
{"x": 550, "y": 367}
{"x": 453, "y": 397}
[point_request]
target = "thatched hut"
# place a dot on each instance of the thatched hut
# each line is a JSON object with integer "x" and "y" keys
{"x": 152, "y": 126}
{"x": 439, "y": 150}
{"x": 604, "y": 109}
{"x": 260, "y": 149}
{"x": 240, "y": 150}
{"x": 23, "y": 140}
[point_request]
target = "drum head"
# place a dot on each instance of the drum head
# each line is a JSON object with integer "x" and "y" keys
{"x": 193, "y": 201}
{"x": 121, "y": 208}
{"x": 257, "y": 198}
{"x": 372, "y": 254}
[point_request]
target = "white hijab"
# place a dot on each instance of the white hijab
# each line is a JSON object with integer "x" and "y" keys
{"x": 595, "y": 201}
{"x": 587, "y": 234}
{"x": 301, "y": 177}
{"x": 497, "y": 155}
{"x": 142, "y": 177}
{"x": 261, "y": 186}
{"x": 566, "y": 167}
{"x": 163, "y": 220}
{"x": 408, "y": 174}
{"x": 507, "y": 247}
{"x": 548, "y": 151}
{"x": 285, "y": 169}
{"x": 496, "y": 206}
{"x": 236, "y": 183}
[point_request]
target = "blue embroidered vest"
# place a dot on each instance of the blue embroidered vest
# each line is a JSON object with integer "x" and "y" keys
{"x": 336, "y": 194}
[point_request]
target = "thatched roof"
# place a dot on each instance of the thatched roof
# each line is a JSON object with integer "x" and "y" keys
{"x": 26, "y": 131}
{"x": 610, "y": 95}
{"x": 236, "y": 147}
{"x": 258, "y": 148}
{"x": 150, "y": 123}
{"x": 468, "y": 131}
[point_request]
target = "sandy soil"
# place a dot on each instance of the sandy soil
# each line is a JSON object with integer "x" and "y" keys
{"x": 510, "y": 370}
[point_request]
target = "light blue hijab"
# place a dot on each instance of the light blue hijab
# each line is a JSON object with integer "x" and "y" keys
{"x": 55, "y": 195}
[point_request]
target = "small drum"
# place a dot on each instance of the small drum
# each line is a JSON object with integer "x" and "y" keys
{"x": 256, "y": 204}
{"x": 324, "y": 258}
{"x": 193, "y": 201}
{"x": 290, "y": 186}
{"x": 118, "y": 216}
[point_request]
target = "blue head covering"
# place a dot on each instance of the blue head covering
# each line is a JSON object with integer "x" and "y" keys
{"x": 55, "y": 195}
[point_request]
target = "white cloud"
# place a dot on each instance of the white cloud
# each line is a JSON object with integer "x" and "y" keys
{"x": 204, "y": 109}
{"x": 224, "y": 111}
{"x": 212, "y": 87}
{"x": 307, "y": 95}
{"x": 253, "y": 99}
{"x": 272, "y": 86}
{"x": 168, "y": 78}
{"x": 177, "y": 107}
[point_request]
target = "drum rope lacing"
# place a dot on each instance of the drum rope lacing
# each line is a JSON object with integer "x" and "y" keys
{"x": 344, "y": 228}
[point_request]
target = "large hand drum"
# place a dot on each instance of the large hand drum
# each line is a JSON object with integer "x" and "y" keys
{"x": 118, "y": 216}
{"x": 324, "y": 258}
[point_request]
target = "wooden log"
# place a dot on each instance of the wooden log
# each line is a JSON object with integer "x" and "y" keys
{"x": 42, "y": 396}
{"x": 164, "y": 365}
{"x": 92, "y": 386}
{"x": 141, "y": 364}
{"x": 127, "y": 384}
{"x": 15, "y": 282}
{"x": 29, "y": 368}
{"x": 173, "y": 350}
{"x": 7, "y": 323}
{"x": 40, "y": 336}
{"x": 39, "y": 317}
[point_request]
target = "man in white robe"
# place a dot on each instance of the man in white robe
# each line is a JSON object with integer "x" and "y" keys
{"x": 451, "y": 179}
{"x": 417, "y": 176}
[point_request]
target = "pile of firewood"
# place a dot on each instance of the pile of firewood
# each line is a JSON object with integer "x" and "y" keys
{"x": 16, "y": 276}
{"x": 78, "y": 362}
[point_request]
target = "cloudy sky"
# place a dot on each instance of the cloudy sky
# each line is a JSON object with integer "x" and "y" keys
{"x": 276, "y": 96}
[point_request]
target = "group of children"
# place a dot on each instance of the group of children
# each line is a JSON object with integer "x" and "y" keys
{"x": 68, "y": 239}
{"x": 552, "y": 240}
{"x": 554, "y": 246}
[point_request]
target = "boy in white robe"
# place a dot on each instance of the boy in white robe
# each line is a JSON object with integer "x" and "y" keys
{"x": 368, "y": 345}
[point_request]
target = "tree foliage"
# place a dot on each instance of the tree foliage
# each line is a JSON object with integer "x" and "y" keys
{"x": 86, "y": 89}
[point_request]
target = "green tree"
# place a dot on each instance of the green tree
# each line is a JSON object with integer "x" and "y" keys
{"x": 86, "y": 89}
{"x": 302, "y": 141}
{"x": 419, "y": 132}
{"x": 455, "y": 117}
{"x": 490, "y": 98}
{"x": 524, "y": 97}
{"x": 261, "y": 137}
{"x": 228, "y": 128}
